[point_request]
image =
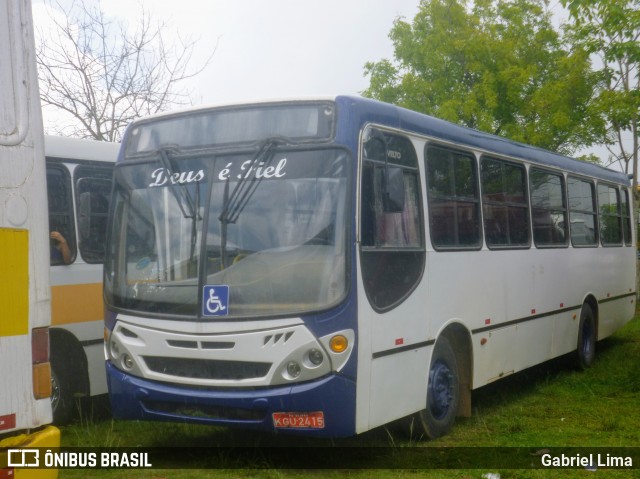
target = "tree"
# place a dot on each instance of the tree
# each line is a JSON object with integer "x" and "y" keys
{"x": 99, "y": 74}
{"x": 497, "y": 66}
{"x": 610, "y": 29}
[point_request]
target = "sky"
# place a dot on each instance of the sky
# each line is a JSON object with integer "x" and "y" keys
{"x": 268, "y": 49}
{"x": 272, "y": 49}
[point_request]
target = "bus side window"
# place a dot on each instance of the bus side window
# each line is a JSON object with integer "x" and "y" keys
{"x": 610, "y": 215}
{"x": 582, "y": 212}
{"x": 392, "y": 242}
{"x": 505, "y": 204}
{"x": 60, "y": 209}
{"x": 454, "y": 203}
{"x": 549, "y": 207}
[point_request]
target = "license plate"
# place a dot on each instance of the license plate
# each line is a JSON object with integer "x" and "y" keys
{"x": 308, "y": 420}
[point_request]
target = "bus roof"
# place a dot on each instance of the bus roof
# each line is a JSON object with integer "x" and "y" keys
{"x": 364, "y": 110}
{"x": 77, "y": 149}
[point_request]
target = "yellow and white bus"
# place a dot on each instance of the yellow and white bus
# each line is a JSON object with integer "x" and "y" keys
{"x": 25, "y": 381}
{"x": 78, "y": 186}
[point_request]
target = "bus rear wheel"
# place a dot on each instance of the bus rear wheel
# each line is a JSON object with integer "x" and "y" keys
{"x": 586, "y": 350}
{"x": 63, "y": 402}
{"x": 443, "y": 392}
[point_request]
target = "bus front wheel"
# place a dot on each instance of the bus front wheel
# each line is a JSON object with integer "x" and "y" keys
{"x": 443, "y": 392}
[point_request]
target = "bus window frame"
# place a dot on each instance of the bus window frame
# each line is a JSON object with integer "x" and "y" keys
{"x": 474, "y": 161}
{"x": 508, "y": 204}
{"x": 105, "y": 174}
{"x": 565, "y": 201}
{"x": 70, "y": 236}
{"x": 368, "y": 250}
{"x": 595, "y": 213}
{"x": 601, "y": 217}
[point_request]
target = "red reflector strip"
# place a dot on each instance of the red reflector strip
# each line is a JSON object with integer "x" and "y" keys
{"x": 399, "y": 341}
{"x": 8, "y": 422}
{"x": 40, "y": 345}
{"x": 300, "y": 420}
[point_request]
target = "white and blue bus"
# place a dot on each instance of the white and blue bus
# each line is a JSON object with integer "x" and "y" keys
{"x": 329, "y": 266}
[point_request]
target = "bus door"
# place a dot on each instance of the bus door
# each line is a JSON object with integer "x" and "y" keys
{"x": 392, "y": 261}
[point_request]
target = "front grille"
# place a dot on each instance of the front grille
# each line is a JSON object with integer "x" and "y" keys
{"x": 207, "y": 368}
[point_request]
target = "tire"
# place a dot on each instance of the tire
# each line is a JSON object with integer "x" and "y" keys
{"x": 63, "y": 401}
{"x": 586, "y": 348}
{"x": 443, "y": 392}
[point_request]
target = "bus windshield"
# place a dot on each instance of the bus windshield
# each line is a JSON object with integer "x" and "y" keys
{"x": 269, "y": 227}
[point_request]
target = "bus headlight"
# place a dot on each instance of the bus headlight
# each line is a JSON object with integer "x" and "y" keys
{"x": 315, "y": 357}
{"x": 293, "y": 369}
{"x": 118, "y": 352}
{"x": 304, "y": 364}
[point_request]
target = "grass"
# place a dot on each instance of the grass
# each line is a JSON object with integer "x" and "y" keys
{"x": 550, "y": 405}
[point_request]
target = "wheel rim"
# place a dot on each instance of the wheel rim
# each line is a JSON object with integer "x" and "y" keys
{"x": 55, "y": 391}
{"x": 440, "y": 389}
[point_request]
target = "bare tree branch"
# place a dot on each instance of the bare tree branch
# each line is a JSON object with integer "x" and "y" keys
{"x": 103, "y": 74}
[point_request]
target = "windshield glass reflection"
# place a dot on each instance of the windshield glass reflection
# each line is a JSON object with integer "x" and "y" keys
{"x": 274, "y": 233}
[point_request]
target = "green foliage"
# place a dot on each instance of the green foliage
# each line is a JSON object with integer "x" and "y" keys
{"x": 497, "y": 66}
{"x": 610, "y": 29}
{"x": 591, "y": 158}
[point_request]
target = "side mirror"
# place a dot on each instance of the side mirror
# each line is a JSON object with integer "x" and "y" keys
{"x": 393, "y": 190}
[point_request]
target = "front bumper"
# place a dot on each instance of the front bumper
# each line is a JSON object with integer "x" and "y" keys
{"x": 253, "y": 408}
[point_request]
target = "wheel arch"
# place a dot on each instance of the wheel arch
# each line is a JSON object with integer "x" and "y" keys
{"x": 64, "y": 346}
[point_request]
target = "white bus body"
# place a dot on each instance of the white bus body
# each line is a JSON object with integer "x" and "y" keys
{"x": 79, "y": 185}
{"x": 25, "y": 381}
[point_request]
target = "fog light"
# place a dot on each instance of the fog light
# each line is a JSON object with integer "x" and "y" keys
{"x": 339, "y": 343}
{"x": 315, "y": 357}
{"x": 127, "y": 361}
{"x": 293, "y": 369}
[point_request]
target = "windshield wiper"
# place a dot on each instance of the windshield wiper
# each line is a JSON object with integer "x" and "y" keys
{"x": 179, "y": 190}
{"x": 237, "y": 200}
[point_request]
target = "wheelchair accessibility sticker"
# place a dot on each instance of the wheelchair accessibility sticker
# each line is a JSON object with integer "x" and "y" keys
{"x": 215, "y": 300}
